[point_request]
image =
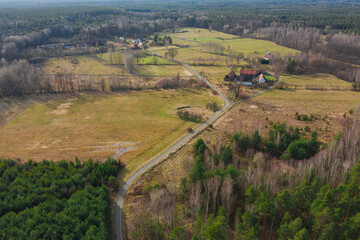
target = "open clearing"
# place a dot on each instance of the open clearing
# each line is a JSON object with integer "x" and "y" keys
{"x": 133, "y": 126}
{"x": 202, "y": 34}
{"x": 251, "y": 45}
{"x": 184, "y": 43}
{"x": 99, "y": 65}
{"x": 90, "y": 65}
{"x": 320, "y": 80}
{"x": 196, "y": 55}
{"x": 162, "y": 70}
{"x": 215, "y": 71}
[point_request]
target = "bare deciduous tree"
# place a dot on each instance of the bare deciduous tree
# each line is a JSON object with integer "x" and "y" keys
{"x": 226, "y": 194}
{"x": 195, "y": 199}
{"x": 172, "y": 53}
{"x": 129, "y": 61}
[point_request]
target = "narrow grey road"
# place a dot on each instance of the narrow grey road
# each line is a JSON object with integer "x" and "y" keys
{"x": 125, "y": 186}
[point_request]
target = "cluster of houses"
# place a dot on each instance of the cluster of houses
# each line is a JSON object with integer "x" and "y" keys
{"x": 246, "y": 77}
{"x": 250, "y": 77}
{"x": 139, "y": 43}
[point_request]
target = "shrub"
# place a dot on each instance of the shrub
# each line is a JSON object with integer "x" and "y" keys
{"x": 281, "y": 85}
{"x": 213, "y": 106}
{"x": 301, "y": 149}
{"x": 214, "y": 92}
{"x": 187, "y": 116}
{"x": 270, "y": 78}
{"x": 151, "y": 187}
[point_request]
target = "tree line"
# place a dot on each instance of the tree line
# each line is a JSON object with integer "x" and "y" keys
{"x": 21, "y": 78}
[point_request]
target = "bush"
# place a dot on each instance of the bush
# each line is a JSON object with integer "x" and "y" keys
{"x": 305, "y": 117}
{"x": 213, "y": 106}
{"x": 301, "y": 149}
{"x": 151, "y": 187}
{"x": 269, "y": 78}
{"x": 187, "y": 116}
{"x": 281, "y": 85}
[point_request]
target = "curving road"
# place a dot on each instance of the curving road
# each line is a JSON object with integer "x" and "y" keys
{"x": 125, "y": 186}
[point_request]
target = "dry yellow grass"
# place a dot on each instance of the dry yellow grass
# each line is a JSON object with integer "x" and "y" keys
{"x": 184, "y": 43}
{"x": 162, "y": 70}
{"x": 141, "y": 124}
{"x": 96, "y": 65}
{"x": 320, "y": 80}
{"x": 159, "y": 48}
{"x": 196, "y": 33}
{"x": 191, "y": 55}
{"x": 91, "y": 65}
{"x": 215, "y": 71}
{"x": 251, "y": 45}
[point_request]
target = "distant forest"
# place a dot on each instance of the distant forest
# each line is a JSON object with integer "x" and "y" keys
{"x": 323, "y": 31}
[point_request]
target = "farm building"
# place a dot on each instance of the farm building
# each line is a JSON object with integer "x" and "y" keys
{"x": 261, "y": 78}
{"x": 267, "y": 56}
{"x": 231, "y": 76}
{"x": 247, "y": 75}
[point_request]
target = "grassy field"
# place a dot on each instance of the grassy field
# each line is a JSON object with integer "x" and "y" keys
{"x": 204, "y": 55}
{"x": 161, "y": 70}
{"x": 112, "y": 57}
{"x": 184, "y": 43}
{"x": 191, "y": 55}
{"x": 202, "y": 35}
{"x": 153, "y": 60}
{"x": 283, "y": 104}
{"x": 133, "y": 126}
{"x": 320, "y": 80}
{"x": 215, "y": 71}
{"x": 159, "y": 48}
{"x": 243, "y": 45}
{"x": 90, "y": 64}
{"x": 99, "y": 65}
{"x": 250, "y": 45}
{"x": 332, "y": 103}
